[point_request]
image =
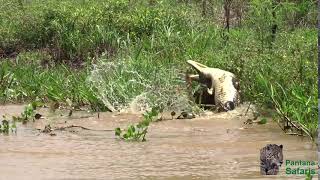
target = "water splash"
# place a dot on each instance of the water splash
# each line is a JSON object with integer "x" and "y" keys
{"x": 127, "y": 85}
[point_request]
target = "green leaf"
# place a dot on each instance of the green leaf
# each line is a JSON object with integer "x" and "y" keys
{"x": 133, "y": 129}
{"x": 130, "y": 130}
{"x": 146, "y": 123}
{"x": 154, "y": 111}
{"x": 14, "y": 118}
{"x": 139, "y": 125}
{"x": 263, "y": 121}
{"x": 117, "y": 131}
{"x": 13, "y": 126}
{"x": 145, "y": 116}
{"x": 34, "y": 105}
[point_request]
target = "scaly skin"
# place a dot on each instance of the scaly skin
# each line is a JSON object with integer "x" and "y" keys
{"x": 220, "y": 82}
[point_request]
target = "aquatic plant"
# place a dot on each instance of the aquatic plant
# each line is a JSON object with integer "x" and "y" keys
{"x": 138, "y": 132}
{"x": 28, "y": 113}
{"x": 6, "y": 126}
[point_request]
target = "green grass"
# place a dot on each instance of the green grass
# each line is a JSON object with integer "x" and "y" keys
{"x": 109, "y": 54}
{"x": 26, "y": 82}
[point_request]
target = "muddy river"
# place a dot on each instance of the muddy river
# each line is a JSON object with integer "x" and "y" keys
{"x": 213, "y": 146}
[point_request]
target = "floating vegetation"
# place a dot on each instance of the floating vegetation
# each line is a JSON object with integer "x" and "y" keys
{"x": 29, "y": 113}
{"x": 138, "y": 132}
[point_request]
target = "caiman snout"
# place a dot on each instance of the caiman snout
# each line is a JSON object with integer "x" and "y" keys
{"x": 228, "y": 106}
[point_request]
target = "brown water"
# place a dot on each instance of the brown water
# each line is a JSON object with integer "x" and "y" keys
{"x": 215, "y": 146}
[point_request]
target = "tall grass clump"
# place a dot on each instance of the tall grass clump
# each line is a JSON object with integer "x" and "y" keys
{"x": 76, "y": 30}
{"x": 26, "y": 80}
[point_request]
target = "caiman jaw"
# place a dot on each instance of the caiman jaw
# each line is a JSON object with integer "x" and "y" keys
{"x": 217, "y": 80}
{"x": 197, "y": 66}
{"x": 203, "y": 77}
{"x": 194, "y": 77}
